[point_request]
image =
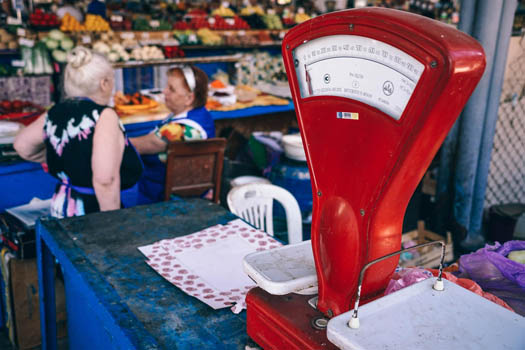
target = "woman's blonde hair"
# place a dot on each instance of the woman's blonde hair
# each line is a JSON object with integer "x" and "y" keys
{"x": 84, "y": 71}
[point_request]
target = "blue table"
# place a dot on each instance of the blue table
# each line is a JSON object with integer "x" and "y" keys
{"x": 21, "y": 181}
{"x": 114, "y": 299}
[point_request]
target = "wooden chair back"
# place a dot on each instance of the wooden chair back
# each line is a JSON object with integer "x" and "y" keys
{"x": 192, "y": 167}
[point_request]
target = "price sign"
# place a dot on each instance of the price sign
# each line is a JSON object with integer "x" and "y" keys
{"x": 86, "y": 39}
{"x": 241, "y": 33}
{"x": 20, "y": 32}
{"x": 26, "y": 42}
{"x": 225, "y": 4}
{"x": 154, "y": 24}
{"x": 271, "y": 12}
{"x": 211, "y": 20}
{"x": 18, "y": 63}
{"x": 127, "y": 35}
{"x": 13, "y": 21}
{"x": 166, "y": 35}
{"x": 115, "y": 18}
{"x": 145, "y": 35}
{"x": 230, "y": 21}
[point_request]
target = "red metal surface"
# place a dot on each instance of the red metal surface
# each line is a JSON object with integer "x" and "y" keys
{"x": 365, "y": 171}
{"x": 282, "y": 322}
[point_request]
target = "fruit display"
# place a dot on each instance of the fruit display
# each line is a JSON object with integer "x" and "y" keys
{"x": 36, "y": 59}
{"x": 20, "y": 111}
{"x": 95, "y": 23}
{"x": 147, "y": 53}
{"x": 233, "y": 23}
{"x": 186, "y": 37}
{"x": 209, "y": 37}
{"x": 301, "y": 17}
{"x": 260, "y": 67}
{"x": 7, "y": 40}
{"x": 273, "y": 21}
{"x": 41, "y": 20}
{"x": 255, "y": 21}
{"x": 173, "y": 51}
{"x": 58, "y": 44}
{"x": 70, "y": 24}
{"x": 141, "y": 24}
{"x": 133, "y": 103}
{"x": 120, "y": 23}
{"x": 223, "y": 12}
{"x": 251, "y": 10}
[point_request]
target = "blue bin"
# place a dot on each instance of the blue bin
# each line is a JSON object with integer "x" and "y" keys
{"x": 295, "y": 177}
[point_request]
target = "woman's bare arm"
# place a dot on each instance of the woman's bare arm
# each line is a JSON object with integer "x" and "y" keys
{"x": 149, "y": 144}
{"x": 108, "y": 150}
{"x": 29, "y": 142}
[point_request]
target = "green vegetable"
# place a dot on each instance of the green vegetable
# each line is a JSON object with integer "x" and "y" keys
{"x": 48, "y": 68}
{"x": 59, "y": 56}
{"x": 27, "y": 57}
{"x": 51, "y": 44}
{"x": 66, "y": 44}
{"x": 56, "y": 34}
{"x": 38, "y": 60}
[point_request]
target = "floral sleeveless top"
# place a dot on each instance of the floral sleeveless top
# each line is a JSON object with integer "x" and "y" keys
{"x": 68, "y": 136}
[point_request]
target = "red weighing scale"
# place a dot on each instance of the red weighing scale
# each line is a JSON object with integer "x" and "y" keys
{"x": 376, "y": 92}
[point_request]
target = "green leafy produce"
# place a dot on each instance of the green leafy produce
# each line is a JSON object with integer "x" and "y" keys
{"x": 38, "y": 59}
{"x": 27, "y": 56}
{"x": 56, "y": 34}
{"x": 59, "y": 56}
{"x": 51, "y": 44}
{"x": 66, "y": 44}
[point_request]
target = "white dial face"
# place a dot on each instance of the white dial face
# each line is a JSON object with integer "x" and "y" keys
{"x": 359, "y": 68}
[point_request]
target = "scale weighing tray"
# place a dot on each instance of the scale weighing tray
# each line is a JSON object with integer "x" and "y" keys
{"x": 283, "y": 270}
{"x": 418, "y": 317}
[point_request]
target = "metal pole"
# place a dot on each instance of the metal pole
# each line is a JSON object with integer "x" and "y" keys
{"x": 485, "y": 30}
{"x": 487, "y": 141}
{"x": 447, "y": 155}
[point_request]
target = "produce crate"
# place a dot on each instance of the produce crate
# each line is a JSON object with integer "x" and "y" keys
{"x": 426, "y": 256}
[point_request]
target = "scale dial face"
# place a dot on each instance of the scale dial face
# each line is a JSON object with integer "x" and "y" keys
{"x": 359, "y": 68}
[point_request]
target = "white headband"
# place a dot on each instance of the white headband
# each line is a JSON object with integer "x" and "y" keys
{"x": 189, "y": 76}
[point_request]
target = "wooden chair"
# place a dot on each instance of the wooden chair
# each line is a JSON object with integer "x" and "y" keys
{"x": 192, "y": 167}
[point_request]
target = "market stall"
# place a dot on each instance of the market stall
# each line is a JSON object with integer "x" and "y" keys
{"x": 373, "y": 105}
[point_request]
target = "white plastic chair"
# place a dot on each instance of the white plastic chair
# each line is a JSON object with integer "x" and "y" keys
{"x": 254, "y": 203}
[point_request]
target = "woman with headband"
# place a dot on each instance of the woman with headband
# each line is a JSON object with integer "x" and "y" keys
{"x": 83, "y": 142}
{"x": 185, "y": 96}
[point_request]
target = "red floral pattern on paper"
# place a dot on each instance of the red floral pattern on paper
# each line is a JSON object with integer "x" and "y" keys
{"x": 162, "y": 257}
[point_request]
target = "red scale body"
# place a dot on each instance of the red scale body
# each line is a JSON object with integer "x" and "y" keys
{"x": 365, "y": 171}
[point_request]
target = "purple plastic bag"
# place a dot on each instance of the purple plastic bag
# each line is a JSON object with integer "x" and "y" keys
{"x": 495, "y": 273}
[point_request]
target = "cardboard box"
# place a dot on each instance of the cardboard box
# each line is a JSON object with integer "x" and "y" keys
{"x": 426, "y": 256}
{"x": 25, "y": 303}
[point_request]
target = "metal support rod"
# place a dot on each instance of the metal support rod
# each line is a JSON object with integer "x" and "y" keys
{"x": 362, "y": 274}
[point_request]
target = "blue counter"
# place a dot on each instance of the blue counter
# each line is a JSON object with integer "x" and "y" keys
{"x": 114, "y": 299}
{"x": 22, "y": 181}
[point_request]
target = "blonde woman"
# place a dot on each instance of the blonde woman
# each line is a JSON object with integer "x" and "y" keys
{"x": 82, "y": 141}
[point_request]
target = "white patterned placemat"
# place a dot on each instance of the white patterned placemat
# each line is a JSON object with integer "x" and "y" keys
{"x": 208, "y": 264}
